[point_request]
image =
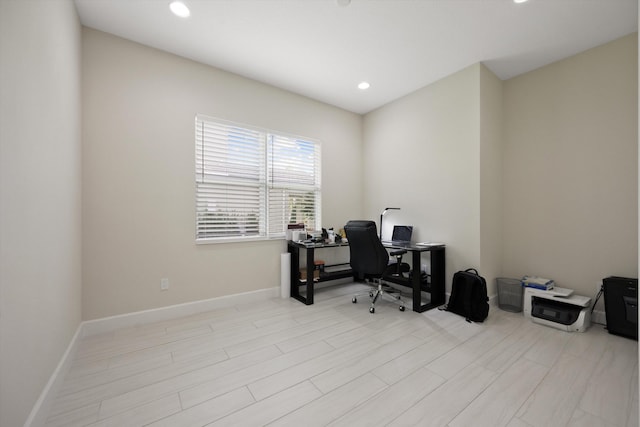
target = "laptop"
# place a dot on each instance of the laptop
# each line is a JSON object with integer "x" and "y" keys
{"x": 401, "y": 235}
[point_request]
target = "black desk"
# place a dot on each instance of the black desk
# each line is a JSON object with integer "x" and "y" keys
{"x": 436, "y": 287}
{"x": 309, "y": 281}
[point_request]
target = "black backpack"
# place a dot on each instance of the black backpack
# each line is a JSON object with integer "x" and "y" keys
{"x": 469, "y": 296}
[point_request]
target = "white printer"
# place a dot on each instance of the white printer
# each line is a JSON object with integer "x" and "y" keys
{"x": 558, "y": 308}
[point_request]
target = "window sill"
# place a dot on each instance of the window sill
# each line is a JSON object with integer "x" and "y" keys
{"x": 220, "y": 240}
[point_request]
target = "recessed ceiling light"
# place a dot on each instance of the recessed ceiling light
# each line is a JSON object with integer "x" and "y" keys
{"x": 179, "y": 9}
{"x": 363, "y": 85}
{"x": 519, "y": 1}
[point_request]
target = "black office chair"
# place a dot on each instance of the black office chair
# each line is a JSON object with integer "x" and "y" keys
{"x": 370, "y": 260}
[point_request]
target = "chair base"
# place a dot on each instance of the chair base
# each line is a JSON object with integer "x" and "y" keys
{"x": 381, "y": 292}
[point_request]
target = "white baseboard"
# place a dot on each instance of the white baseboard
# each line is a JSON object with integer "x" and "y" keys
{"x": 40, "y": 410}
{"x": 493, "y": 300}
{"x": 599, "y": 317}
{"x": 108, "y": 324}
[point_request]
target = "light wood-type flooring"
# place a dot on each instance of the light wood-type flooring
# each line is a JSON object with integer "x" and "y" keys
{"x": 281, "y": 363}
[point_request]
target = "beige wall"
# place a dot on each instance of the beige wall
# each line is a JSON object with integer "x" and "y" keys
{"x": 570, "y": 161}
{"x": 491, "y": 148}
{"x": 422, "y": 154}
{"x": 40, "y": 191}
{"x": 535, "y": 175}
{"x": 138, "y": 175}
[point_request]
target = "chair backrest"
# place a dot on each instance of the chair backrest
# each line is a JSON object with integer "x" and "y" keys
{"x": 368, "y": 256}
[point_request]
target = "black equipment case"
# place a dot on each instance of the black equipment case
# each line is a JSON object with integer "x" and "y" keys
{"x": 621, "y": 306}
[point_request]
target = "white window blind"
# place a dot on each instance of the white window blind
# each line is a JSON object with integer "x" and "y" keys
{"x": 294, "y": 183}
{"x": 251, "y": 183}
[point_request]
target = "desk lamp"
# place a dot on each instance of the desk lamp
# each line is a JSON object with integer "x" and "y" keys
{"x": 382, "y": 216}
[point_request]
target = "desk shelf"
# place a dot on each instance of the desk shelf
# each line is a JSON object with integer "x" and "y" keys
{"x": 331, "y": 272}
{"x": 425, "y": 286}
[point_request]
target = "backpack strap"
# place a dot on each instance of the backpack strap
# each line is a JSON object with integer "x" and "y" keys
{"x": 472, "y": 270}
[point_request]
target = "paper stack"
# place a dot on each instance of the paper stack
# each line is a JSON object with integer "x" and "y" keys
{"x": 538, "y": 283}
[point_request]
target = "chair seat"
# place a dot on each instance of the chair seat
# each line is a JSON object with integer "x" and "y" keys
{"x": 395, "y": 271}
{"x": 393, "y": 268}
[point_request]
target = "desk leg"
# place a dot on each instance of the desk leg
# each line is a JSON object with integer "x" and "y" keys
{"x": 437, "y": 280}
{"x": 295, "y": 272}
{"x": 437, "y": 277}
{"x": 294, "y": 289}
{"x": 415, "y": 281}
{"x": 310, "y": 270}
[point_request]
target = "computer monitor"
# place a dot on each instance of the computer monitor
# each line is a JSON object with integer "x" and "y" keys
{"x": 402, "y": 233}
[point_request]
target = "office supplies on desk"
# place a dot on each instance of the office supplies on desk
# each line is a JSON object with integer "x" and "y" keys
{"x": 295, "y": 231}
{"x": 298, "y": 235}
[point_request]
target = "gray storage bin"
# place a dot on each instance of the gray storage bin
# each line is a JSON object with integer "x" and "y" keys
{"x": 510, "y": 294}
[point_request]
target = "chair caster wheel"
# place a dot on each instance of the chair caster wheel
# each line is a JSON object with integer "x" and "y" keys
{"x": 354, "y": 300}
{"x": 402, "y": 308}
{"x": 370, "y": 294}
{"x": 372, "y": 310}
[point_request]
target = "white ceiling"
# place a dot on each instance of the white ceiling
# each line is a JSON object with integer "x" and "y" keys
{"x": 322, "y": 50}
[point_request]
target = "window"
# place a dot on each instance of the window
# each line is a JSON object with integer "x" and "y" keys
{"x": 251, "y": 183}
